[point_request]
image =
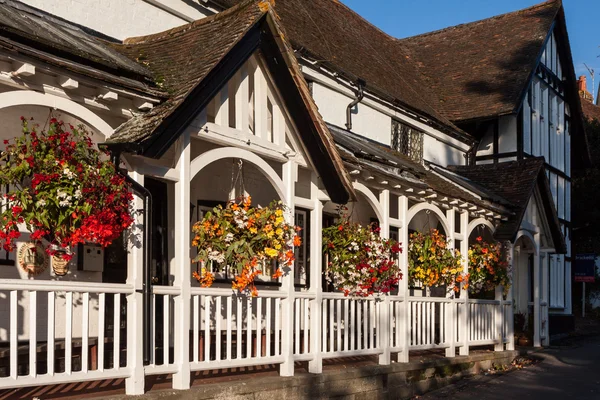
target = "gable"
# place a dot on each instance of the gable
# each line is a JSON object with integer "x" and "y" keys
{"x": 249, "y": 111}
{"x": 198, "y": 60}
{"x": 534, "y": 219}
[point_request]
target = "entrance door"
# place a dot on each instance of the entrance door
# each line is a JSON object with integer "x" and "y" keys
{"x": 159, "y": 264}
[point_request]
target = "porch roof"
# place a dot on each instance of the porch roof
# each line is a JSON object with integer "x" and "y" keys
{"x": 363, "y": 153}
{"x": 37, "y": 35}
{"x": 196, "y": 60}
{"x": 517, "y": 180}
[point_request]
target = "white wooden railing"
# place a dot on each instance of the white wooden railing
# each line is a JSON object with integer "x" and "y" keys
{"x": 233, "y": 331}
{"x": 58, "y": 332}
{"x": 62, "y": 332}
{"x": 349, "y": 326}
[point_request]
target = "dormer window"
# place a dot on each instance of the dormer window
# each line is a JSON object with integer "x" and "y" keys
{"x": 407, "y": 140}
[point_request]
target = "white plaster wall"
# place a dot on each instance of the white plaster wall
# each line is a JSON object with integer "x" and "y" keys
{"x": 120, "y": 18}
{"x": 440, "y": 153}
{"x": 374, "y": 120}
{"x": 507, "y": 134}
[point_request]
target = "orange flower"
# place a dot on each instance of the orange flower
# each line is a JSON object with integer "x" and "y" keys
{"x": 297, "y": 241}
{"x": 278, "y": 273}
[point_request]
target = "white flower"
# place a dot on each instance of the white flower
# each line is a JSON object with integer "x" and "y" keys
{"x": 64, "y": 203}
{"x": 68, "y": 173}
{"x": 77, "y": 194}
{"x": 41, "y": 203}
{"x": 228, "y": 237}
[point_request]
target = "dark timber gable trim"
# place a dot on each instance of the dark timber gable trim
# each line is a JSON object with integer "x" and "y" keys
{"x": 173, "y": 126}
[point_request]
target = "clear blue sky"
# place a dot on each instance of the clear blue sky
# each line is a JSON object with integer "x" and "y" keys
{"x": 402, "y": 18}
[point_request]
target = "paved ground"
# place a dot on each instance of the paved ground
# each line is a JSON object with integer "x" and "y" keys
{"x": 568, "y": 371}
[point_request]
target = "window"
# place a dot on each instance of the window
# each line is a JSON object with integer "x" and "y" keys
{"x": 301, "y": 262}
{"x": 407, "y": 140}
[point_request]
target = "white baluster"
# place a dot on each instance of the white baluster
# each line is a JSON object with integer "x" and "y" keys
{"x": 14, "y": 346}
{"x": 33, "y": 333}
{"x": 218, "y": 319}
{"x": 196, "y": 328}
{"x": 51, "y": 316}
{"x": 207, "y": 318}
{"x": 239, "y": 319}
{"x": 229, "y": 346}
{"x": 259, "y": 327}
{"x": 101, "y": 316}
{"x": 85, "y": 320}
{"x": 166, "y": 330}
{"x": 117, "y": 332}
{"x": 269, "y": 301}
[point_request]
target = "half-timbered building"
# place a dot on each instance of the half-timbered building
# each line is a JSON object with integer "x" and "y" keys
{"x": 471, "y": 130}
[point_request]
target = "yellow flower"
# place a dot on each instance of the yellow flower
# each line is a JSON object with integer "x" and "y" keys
{"x": 278, "y": 220}
{"x": 253, "y": 230}
{"x": 271, "y": 252}
{"x": 279, "y": 232}
{"x": 279, "y": 213}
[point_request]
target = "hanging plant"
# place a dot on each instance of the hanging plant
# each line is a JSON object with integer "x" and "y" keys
{"x": 360, "y": 262}
{"x": 487, "y": 269}
{"x": 62, "y": 189}
{"x": 243, "y": 239}
{"x": 432, "y": 263}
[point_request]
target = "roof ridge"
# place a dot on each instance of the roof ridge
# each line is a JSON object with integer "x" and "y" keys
{"x": 192, "y": 25}
{"x": 494, "y": 17}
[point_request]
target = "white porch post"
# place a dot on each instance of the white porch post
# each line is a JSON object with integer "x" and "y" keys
{"x": 384, "y": 325}
{"x": 465, "y": 317}
{"x": 290, "y": 173}
{"x": 450, "y": 311}
{"x": 403, "y": 324}
{"x": 134, "y": 385}
{"x": 182, "y": 271}
{"x": 536, "y": 293}
{"x": 545, "y": 298}
{"x": 510, "y": 331}
{"x": 315, "y": 366}
{"x": 499, "y": 318}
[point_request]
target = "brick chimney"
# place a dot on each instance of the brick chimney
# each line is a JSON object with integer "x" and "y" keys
{"x": 582, "y": 87}
{"x": 582, "y": 83}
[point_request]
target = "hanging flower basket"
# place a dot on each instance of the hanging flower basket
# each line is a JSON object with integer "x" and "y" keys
{"x": 360, "y": 262}
{"x": 62, "y": 190}
{"x": 487, "y": 268}
{"x": 245, "y": 239}
{"x": 432, "y": 263}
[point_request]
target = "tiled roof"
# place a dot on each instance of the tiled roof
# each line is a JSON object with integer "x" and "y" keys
{"x": 180, "y": 58}
{"x": 480, "y": 69}
{"x": 337, "y": 37}
{"x": 590, "y": 110}
{"x": 30, "y": 32}
{"x": 516, "y": 180}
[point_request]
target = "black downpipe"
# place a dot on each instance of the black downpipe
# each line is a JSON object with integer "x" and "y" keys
{"x": 141, "y": 191}
{"x": 359, "y": 96}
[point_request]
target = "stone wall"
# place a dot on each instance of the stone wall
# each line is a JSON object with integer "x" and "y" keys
{"x": 396, "y": 381}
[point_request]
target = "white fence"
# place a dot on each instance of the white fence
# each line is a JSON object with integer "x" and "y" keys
{"x": 83, "y": 333}
{"x": 58, "y": 345}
